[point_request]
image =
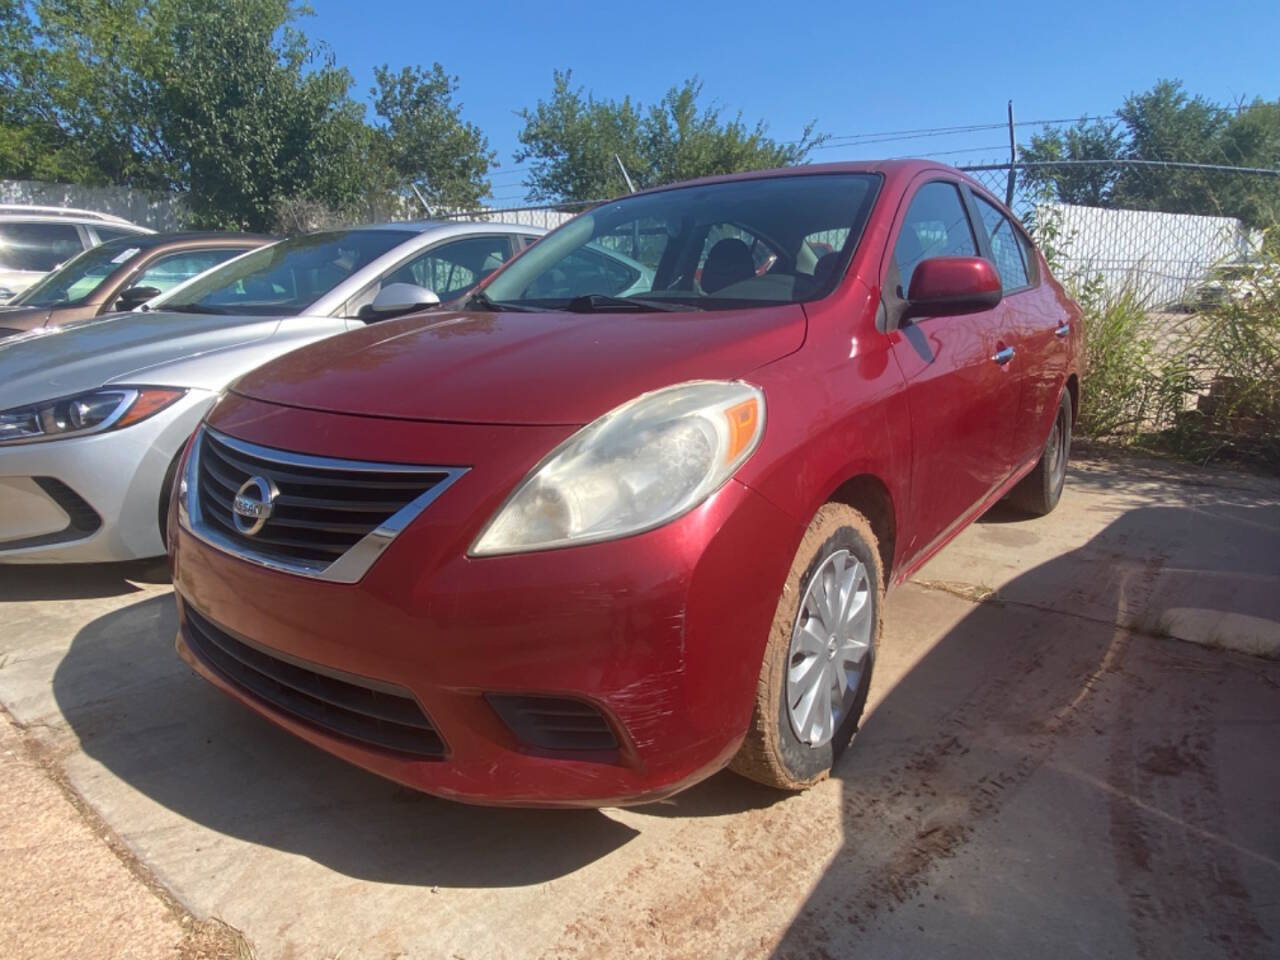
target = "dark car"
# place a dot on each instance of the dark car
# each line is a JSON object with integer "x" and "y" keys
{"x": 120, "y": 275}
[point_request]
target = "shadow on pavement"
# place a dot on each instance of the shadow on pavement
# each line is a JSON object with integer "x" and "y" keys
{"x": 140, "y": 712}
{"x": 1043, "y": 780}
{"x": 78, "y": 581}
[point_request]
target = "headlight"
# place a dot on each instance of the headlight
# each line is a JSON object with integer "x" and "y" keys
{"x": 637, "y": 467}
{"x": 108, "y": 409}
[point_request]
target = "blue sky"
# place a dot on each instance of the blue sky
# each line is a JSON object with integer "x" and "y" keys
{"x": 854, "y": 69}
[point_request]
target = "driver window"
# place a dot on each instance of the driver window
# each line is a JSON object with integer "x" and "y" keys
{"x": 936, "y": 225}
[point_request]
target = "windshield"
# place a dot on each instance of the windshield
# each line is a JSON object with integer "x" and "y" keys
{"x": 73, "y": 283}
{"x": 286, "y": 278}
{"x": 742, "y": 243}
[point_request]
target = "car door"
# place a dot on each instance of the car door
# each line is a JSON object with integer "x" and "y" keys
{"x": 960, "y": 389}
{"x": 1036, "y": 327}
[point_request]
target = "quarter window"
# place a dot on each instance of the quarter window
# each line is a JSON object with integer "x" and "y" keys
{"x": 1005, "y": 249}
{"x": 936, "y": 225}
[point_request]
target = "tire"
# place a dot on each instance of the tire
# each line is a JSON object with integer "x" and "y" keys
{"x": 838, "y": 542}
{"x": 166, "y": 493}
{"x": 1040, "y": 490}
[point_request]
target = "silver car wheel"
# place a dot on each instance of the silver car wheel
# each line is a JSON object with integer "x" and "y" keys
{"x": 830, "y": 642}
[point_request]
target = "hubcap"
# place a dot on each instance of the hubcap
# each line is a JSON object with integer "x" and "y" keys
{"x": 830, "y": 642}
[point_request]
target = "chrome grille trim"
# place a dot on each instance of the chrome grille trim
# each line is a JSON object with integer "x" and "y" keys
{"x": 351, "y": 565}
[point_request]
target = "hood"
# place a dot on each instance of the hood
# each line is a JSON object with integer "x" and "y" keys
{"x": 23, "y": 318}
{"x": 521, "y": 368}
{"x": 59, "y": 361}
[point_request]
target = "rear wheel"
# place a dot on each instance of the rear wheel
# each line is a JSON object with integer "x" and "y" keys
{"x": 1039, "y": 491}
{"x": 817, "y": 665}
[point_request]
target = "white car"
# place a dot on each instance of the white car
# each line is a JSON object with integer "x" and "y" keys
{"x": 35, "y": 240}
{"x": 94, "y": 415}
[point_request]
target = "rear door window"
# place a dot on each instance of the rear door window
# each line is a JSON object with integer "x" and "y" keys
{"x": 936, "y": 225}
{"x": 37, "y": 246}
{"x": 1005, "y": 249}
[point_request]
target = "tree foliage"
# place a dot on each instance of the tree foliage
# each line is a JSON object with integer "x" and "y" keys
{"x": 424, "y": 141}
{"x": 572, "y": 138}
{"x": 1165, "y": 123}
{"x": 229, "y": 103}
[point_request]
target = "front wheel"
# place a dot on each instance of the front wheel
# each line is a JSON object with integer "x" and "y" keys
{"x": 1040, "y": 490}
{"x": 817, "y": 665}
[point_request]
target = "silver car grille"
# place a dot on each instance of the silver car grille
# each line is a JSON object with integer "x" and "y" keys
{"x": 328, "y": 518}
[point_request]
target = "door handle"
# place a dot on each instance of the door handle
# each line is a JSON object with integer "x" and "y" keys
{"x": 1063, "y": 330}
{"x": 1003, "y": 356}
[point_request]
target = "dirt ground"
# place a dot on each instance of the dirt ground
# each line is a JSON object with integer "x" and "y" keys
{"x": 1068, "y": 753}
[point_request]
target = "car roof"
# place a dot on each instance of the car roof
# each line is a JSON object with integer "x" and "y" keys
{"x": 194, "y": 238}
{"x": 31, "y": 213}
{"x": 425, "y": 226}
{"x": 907, "y": 166}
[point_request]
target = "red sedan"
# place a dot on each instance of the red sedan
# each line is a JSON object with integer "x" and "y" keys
{"x": 591, "y": 535}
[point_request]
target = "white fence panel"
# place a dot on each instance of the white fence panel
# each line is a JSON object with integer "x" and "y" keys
{"x": 157, "y": 211}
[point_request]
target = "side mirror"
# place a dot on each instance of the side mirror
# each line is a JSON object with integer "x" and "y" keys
{"x": 945, "y": 286}
{"x": 135, "y": 297}
{"x": 6, "y": 294}
{"x": 397, "y": 298}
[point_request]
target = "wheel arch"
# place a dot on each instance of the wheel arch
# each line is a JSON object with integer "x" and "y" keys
{"x": 1073, "y": 390}
{"x": 870, "y": 496}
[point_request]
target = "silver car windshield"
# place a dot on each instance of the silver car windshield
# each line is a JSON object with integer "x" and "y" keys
{"x": 716, "y": 246}
{"x": 286, "y": 278}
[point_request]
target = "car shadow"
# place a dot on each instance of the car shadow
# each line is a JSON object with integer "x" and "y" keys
{"x": 141, "y": 713}
{"x": 78, "y": 581}
{"x": 1044, "y": 774}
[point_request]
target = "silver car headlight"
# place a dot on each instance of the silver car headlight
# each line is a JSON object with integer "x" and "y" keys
{"x": 639, "y": 466}
{"x": 110, "y": 408}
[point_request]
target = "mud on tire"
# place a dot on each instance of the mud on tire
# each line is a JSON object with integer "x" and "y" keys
{"x": 772, "y": 754}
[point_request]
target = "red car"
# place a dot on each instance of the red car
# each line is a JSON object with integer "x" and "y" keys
{"x": 589, "y": 550}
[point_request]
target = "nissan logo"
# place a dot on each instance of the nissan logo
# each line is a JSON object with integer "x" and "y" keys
{"x": 253, "y": 505}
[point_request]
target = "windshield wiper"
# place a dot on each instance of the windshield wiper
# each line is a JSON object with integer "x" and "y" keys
{"x": 190, "y": 308}
{"x": 602, "y": 303}
{"x": 481, "y": 301}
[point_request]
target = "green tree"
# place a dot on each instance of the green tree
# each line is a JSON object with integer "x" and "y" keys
{"x": 572, "y": 138}
{"x": 1166, "y": 123}
{"x": 1091, "y": 183}
{"x": 425, "y": 142}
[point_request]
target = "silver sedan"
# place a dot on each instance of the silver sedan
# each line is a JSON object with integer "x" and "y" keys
{"x": 93, "y": 416}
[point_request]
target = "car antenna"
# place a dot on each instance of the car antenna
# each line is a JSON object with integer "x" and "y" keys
{"x": 421, "y": 199}
{"x": 625, "y": 176}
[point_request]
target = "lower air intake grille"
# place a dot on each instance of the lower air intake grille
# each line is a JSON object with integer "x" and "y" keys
{"x": 384, "y": 717}
{"x": 552, "y": 723}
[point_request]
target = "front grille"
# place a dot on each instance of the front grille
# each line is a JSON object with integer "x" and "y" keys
{"x": 554, "y": 723}
{"x": 323, "y": 508}
{"x": 387, "y": 717}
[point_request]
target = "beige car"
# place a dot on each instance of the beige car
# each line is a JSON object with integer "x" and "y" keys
{"x": 36, "y": 240}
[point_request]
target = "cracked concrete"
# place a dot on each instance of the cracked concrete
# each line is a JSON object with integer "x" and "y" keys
{"x": 1043, "y": 769}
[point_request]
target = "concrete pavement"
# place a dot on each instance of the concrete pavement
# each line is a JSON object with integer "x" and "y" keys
{"x": 1046, "y": 767}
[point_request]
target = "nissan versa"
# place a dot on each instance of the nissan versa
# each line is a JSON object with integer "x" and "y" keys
{"x": 575, "y": 543}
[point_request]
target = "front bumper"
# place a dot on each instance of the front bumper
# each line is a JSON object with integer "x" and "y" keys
{"x": 92, "y": 499}
{"x": 663, "y": 633}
